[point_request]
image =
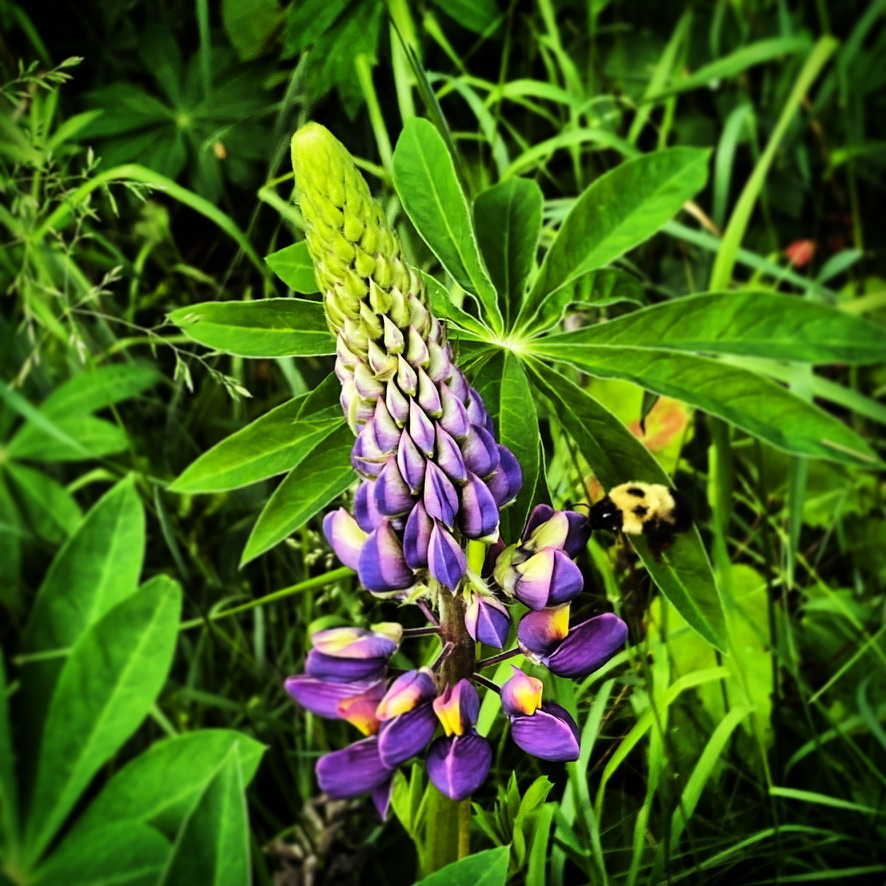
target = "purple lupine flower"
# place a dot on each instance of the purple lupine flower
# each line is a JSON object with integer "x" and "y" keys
{"x": 459, "y": 761}
{"x": 488, "y": 620}
{"x": 322, "y": 697}
{"x": 544, "y": 730}
{"x": 347, "y": 655}
{"x": 545, "y": 637}
{"x": 353, "y": 770}
{"x": 407, "y": 716}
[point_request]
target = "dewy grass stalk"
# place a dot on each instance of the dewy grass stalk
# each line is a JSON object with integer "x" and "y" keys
{"x": 432, "y": 479}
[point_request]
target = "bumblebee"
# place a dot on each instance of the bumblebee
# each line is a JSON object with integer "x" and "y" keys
{"x": 648, "y": 509}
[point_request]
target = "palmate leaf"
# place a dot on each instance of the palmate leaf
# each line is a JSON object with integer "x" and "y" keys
{"x": 271, "y": 327}
{"x": 617, "y": 456}
{"x": 316, "y": 480}
{"x": 754, "y": 404}
{"x": 508, "y": 218}
{"x": 212, "y": 846}
{"x": 426, "y": 181}
{"x": 747, "y": 323}
{"x": 160, "y": 786}
{"x": 617, "y": 212}
{"x": 106, "y": 688}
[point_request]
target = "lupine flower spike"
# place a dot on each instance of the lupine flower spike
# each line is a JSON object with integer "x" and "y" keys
{"x": 431, "y": 481}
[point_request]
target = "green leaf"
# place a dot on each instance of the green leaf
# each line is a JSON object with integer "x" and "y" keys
{"x": 597, "y": 289}
{"x": 272, "y": 444}
{"x": 74, "y": 438}
{"x": 475, "y": 15}
{"x": 756, "y": 405}
{"x": 323, "y": 473}
{"x": 747, "y": 323}
{"x": 97, "y": 569}
{"x": 8, "y": 789}
{"x": 106, "y": 688}
{"x": 250, "y": 25}
{"x": 505, "y": 390}
{"x": 98, "y": 389}
{"x": 617, "y": 456}
{"x": 425, "y": 178}
{"x": 271, "y": 327}
{"x": 212, "y": 847}
{"x": 160, "y": 786}
{"x": 445, "y": 309}
{"x": 487, "y": 868}
{"x": 294, "y": 267}
{"x": 617, "y": 212}
{"x": 508, "y": 218}
{"x": 118, "y": 854}
{"x": 51, "y": 510}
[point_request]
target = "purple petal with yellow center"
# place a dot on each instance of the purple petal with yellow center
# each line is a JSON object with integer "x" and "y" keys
{"x": 446, "y": 560}
{"x": 540, "y": 514}
{"x": 550, "y": 733}
{"x": 449, "y": 457}
{"x": 353, "y": 770}
{"x": 408, "y": 691}
{"x": 344, "y": 670}
{"x": 488, "y": 620}
{"x": 459, "y": 765}
{"x": 480, "y": 451}
{"x": 540, "y": 633}
{"x": 381, "y": 567}
{"x": 411, "y": 463}
{"x": 321, "y": 697}
{"x": 366, "y": 512}
{"x": 397, "y": 403}
{"x": 588, "y": 646}
{"x": 387, "y": 432}
{"x": 440, "y": 497}
{"x": 458, "y": 707}
{"x": 506, "y": 482}
{"x": 454, "y": 418}
{"x": 428, "y": 395}
{"x": 417, "y": 537}
{"x": 392, "y": 493}
{"x": 521, "y": 694}
{"x": 354, "y": 642}
{"x": 406, "y": 735}
{"x": 360, "y": 710}
{"x": 478, "y": 515}
{"x": 345, "y": 536}
{"x": 421, "y": 429}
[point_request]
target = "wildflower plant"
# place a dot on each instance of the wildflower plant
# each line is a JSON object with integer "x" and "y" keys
{"x": 449, "y": 512}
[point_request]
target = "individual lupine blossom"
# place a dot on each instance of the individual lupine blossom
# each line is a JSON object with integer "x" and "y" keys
{"x": 431, "y": 480}
{"x": 432, "y": 473}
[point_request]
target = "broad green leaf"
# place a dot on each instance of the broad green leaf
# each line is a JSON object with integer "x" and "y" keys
{"x": 106, "y": 688}
{"x": 212, "y": 847}
{"x": 486, "y": 868}
{"x": 99, "y": 388}
{"x": 270, "y": 445}
{"x": 123, "y": 853}
{"x": 160, "y": 786}
{"x": 425, "y": 178}
{"x": 508, "y": 218}
{"x": 92, "y": 573}
{"x": 617, "y": 212}
{"x": 50, "y": 509}
{"x": 33, "y": 416}
{"x": 8, "y": 790}
{"x": 82, "y": 437}
{"x": 616, "y": 456}
{"x": 505, "y": 390}
{"x": 756, "y": 405}
{"x": 747, "y": 323}
{"x": 323, "y": 403}
{"x": 11, "y": 533}
{"x": 475, "y": 15}
{"x": 251, "y": 25}
{"x": 271, "y": 327}
{"x": 294, "y": 267}
{"x": 324, "y": 473}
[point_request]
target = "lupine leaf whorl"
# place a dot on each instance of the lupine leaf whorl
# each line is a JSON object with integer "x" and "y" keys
{"x": 357, "y": 258}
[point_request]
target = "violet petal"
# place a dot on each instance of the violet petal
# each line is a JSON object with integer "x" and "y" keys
{"x": 588, "y": 646}
{"x": 353, "y": 770}
{"x": 382, "y": 567}
{"x": 550, "y": 734}
{"x": 478, "y": 516}
{"x": 458, "y": 765}
{"x": 446, "y": 560}
{"x": 406, "y": 735}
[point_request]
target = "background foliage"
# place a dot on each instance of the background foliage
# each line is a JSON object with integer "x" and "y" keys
{"x": 151, "y": 606}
